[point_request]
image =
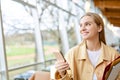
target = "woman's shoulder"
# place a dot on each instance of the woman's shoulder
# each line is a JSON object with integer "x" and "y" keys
{"x": 112, "y": 51}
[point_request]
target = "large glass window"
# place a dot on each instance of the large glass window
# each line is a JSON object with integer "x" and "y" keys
{"x": 20, "y": 36}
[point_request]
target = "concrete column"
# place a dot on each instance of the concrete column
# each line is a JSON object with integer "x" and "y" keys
{"x": 76, "y": 26}
{"x": 38, "y": 37}
{"x": 62, "y": 26}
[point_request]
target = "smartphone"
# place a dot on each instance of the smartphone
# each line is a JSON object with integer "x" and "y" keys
{"x": 59, "y": 55}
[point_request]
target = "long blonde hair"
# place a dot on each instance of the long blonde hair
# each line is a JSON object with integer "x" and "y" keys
{"x": 98, "y": 20}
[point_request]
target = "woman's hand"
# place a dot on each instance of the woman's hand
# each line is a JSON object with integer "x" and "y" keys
{"x": 61, "y": 67}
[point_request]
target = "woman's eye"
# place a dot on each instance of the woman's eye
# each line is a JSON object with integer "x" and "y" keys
{"x": 87, "y": 24}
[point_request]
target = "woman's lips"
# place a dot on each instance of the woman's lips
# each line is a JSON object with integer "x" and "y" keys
{"x": 84, "y": 33}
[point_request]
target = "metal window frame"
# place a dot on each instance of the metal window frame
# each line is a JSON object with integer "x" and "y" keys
{"x": 3, "y": 60}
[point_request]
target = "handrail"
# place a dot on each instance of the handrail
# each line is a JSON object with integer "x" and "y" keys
{"x": 29, "y": 65}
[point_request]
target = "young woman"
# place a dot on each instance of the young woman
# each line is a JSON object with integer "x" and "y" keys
{"x": 87, "y": 60}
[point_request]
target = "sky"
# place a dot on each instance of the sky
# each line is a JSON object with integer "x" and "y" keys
{"x": 13, "y": 11}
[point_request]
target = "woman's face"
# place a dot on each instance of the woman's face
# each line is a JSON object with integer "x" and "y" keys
{"x": 88, "y": 28}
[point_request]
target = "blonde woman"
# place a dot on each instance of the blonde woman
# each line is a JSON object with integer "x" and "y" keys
{"x": 87, "y": 60}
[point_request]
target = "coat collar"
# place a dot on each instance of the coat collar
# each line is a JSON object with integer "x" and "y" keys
{"x": 104, "y": 54}
{"x": 82, "y": 54}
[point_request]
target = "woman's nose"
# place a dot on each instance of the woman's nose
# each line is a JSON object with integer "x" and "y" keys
{"x": 82, "y": 27}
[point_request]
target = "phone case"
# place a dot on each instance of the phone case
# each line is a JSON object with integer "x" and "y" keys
{"x": 59, "y": 55}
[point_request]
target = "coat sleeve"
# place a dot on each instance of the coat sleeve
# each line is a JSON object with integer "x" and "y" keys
{"x": 66, "y": 77}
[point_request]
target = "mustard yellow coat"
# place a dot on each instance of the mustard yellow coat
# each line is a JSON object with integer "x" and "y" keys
{"x": 80, "y": 65}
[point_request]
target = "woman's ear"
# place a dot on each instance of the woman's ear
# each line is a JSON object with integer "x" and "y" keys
{"x": 100, "y": 28}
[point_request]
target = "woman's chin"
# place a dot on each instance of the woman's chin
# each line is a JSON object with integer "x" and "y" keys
{"x": 85, "y": 38}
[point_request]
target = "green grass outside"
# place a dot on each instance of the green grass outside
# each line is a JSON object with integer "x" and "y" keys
{"x": 18, "y": 51}
{"x": 19, "y": 62}
{"x": 15, "y": 51}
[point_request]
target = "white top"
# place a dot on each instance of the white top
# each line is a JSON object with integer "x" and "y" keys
{"x": 94, "y": 56}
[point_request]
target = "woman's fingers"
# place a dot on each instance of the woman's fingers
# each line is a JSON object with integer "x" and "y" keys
{"x": 62, "y": 66}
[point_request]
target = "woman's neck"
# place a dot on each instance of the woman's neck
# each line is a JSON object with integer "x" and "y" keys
{"x": 93, "y": 45}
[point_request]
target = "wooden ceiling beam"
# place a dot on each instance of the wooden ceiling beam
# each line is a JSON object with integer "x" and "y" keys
{"x": 115, "y": 14}
{"x": 111, "y": 9}
{"x": 115, "y": 4}
{"x": 114, "y": 21}
{"x": 116, "y": 24}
